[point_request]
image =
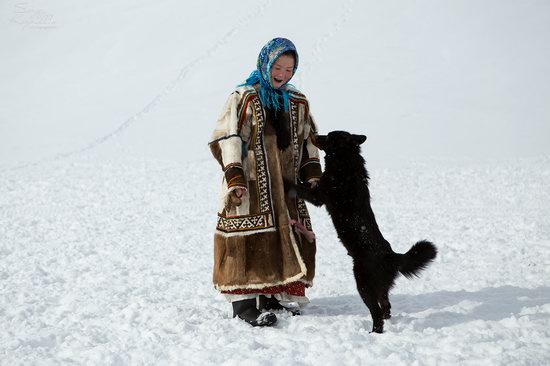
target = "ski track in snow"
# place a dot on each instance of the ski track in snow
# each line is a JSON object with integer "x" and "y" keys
{"x": 109, "y": 263}
{"x": 185, "y": 70}
{"x": 316, "y": 54}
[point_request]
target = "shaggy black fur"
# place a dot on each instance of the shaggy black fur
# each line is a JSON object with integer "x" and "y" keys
{"x": 344, "y": 191}
{"x": 280, "y": 121}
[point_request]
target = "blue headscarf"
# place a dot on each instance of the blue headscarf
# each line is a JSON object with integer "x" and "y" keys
{"x": 271, "y": 97}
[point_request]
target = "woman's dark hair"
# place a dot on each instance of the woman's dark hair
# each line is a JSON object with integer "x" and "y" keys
{"x": 289, "y": 53}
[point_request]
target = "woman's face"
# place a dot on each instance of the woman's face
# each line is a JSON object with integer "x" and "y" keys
{"x": 281, "y": 71}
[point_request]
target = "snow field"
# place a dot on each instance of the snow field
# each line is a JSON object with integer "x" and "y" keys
{"x": 110, "y": 263}
{"x": 106, "y": 235}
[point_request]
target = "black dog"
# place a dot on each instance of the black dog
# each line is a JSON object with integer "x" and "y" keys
{"x": 343, "y": 189}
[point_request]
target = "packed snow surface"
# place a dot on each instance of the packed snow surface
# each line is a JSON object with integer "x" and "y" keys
{"x": 108, "y": 193}
{"x": 110, "y": 263}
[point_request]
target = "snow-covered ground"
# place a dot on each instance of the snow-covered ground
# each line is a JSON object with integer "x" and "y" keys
{"x": 110, "y": 263}
{"x": 108, "y": 194}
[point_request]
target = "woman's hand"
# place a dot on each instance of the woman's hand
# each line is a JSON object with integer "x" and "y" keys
{"x": 308, "y": 235}
{"x": 233, "y": 198}
{"x": 239, "y": 192}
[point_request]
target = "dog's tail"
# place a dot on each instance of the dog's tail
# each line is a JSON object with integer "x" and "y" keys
{"x": 416, "y": 259}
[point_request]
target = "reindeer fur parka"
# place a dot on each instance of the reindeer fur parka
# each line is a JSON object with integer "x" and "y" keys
{"x": 255, "y": 246}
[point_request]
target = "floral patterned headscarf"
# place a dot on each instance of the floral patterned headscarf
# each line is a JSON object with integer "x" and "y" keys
{"x": 271, "y": 97}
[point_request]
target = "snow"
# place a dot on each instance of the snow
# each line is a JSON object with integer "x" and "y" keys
{"x": 110, "y": 263}
{"x": 108, "y": 193}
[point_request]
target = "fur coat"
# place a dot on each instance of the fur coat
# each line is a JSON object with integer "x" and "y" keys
{"x": 255, "y": 246}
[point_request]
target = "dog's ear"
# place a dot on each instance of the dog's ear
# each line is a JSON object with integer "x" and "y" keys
{"x": 320, "y": 141}
{"x": 359, "y": 139}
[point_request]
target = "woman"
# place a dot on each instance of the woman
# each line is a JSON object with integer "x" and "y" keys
{"x": 264, "y": 249}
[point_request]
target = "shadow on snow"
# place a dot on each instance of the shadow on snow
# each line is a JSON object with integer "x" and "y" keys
{"x": 441, "y": 309}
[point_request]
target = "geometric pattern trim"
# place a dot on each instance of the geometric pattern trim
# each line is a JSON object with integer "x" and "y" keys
{"x": 263, "y": 220}
{"x": 262, "y": 173}
{"x": 243, "y": 223}
{"x": 303, "y": 214}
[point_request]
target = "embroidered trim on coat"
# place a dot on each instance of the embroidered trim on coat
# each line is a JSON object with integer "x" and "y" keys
{"x": 262, "y": 173}
{"x": 264, "y": 220}
{"x": 310, "y": 161}
{"x": 294, "y": 123}
{"x": 243, "y": 223}
{"x": 303, "y": 214}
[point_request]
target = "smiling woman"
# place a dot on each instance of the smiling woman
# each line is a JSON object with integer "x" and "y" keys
{"x": 264, "y": 247}
{"x": 283, "y": 69}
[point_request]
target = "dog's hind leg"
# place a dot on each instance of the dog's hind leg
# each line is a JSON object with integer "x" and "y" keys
{"x": 385, "y": 305}
{"x": 370, "y": 299}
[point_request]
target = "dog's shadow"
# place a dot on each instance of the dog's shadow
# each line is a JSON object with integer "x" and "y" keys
{"x": 441, "y": 309}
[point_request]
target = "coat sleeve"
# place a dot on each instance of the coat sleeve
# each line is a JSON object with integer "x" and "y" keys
{"x": 310, "y": 166}
{"x": 226, "y": 144}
